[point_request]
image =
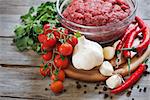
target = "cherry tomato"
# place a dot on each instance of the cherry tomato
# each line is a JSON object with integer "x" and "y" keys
{"x": 57, "y": 86}
{"x": 47, "y": 56}
{"x": 56, "y": 34}
{"x": 61, "y": 62}
{"x": 66, "y": 31}
{"x": 44, "y": 72}
{"x": 42, "y": 38}
{"x": 45, "y": 47}
{"x": 65, "y": 49}
{"x": 46, "y": 27}
{"x": 58, "y": 45}
{"x": 51, "y": 41}
{"x": 58, "y": 75}
{"x": 73, "y": 41}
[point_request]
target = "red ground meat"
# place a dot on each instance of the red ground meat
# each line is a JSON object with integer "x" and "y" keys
{"x": 95, "y": 12}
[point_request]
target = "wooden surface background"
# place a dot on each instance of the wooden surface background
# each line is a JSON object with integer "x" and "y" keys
{"x": 19, "y": 79}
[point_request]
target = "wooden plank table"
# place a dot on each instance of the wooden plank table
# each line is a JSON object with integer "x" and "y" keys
{"x": 19, "y": 79}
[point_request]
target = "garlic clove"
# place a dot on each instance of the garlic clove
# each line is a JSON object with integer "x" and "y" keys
{"x": 106, "y": 69}
{"x": 109, "y": 52}
{"x": 116, "y": 43}
{"x": 114, "y": 81}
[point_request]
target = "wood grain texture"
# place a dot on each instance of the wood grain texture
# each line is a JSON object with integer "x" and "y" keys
{"x": 11, "y": 56}
{"x": 24, "y": 82}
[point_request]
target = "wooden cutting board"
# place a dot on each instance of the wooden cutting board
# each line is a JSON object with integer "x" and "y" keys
{"x": 94, "y": 74}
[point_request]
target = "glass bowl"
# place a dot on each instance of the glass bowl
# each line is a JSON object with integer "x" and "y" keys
{"x": 102, "y": 34}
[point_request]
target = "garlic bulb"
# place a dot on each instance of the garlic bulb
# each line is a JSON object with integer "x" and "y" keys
{"x": 106, "y": 69}
{"x": 87, "y": 54}
{"x": 114, "y": 81}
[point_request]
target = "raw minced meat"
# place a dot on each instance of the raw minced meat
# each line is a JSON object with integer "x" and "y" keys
{"x": 96, "y": 12}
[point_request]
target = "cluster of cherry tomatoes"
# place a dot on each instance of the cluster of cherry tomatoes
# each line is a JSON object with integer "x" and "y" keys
{"x": 56, "y": 45}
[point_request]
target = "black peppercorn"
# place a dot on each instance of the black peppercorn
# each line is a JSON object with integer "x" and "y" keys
{"x": 104, "y": 88}
{"x": 99, "y": 92}
{"x": 111, "y": 97}
{"x": 78, "y": 86}
{"x": 105, "y": 96}
{"x": 95, "y": 88}
{"x": 46, "y": 89}
{"x": 144, "y": 90}
{"x": 128, "y": 93}
{"x": 85, "y": 92}
{"x": 65, "y": 90}
{"x": 85, "y": 85}
{"x": 77, "y": 82}
{"x": 140, "y": 90}
{"x": 97, "y": 84}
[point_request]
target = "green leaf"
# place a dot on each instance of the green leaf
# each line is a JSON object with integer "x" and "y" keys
{"x": 38, "y": 49}
{"x": 21, "y": 43}
{"x": 30, "y": 41}
{"x": 31, "y": 10}
{"x": 20, "y": 31}
{"x": 37, "y": 28}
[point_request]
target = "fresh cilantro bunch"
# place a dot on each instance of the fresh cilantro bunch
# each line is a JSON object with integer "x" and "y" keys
{"x": 32, "y": 25}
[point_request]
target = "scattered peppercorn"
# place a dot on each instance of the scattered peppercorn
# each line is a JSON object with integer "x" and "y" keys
{"x": 99, "y": 92}
{"x": 105, "y": 96}
{"x": 77, "y": 82}
{"x": 128, "y": 93}
{"x": 140, "y": 90}
{"x": 104, "y": 88}
{"x": 144, "y": 90}
{"x": 97, "y": 84}
{"x": 111, "y": 97}
{"x": 46, "y": 89}
{"x": 85, "y": 92}
{"x": 95, "y": 88}
{"x": 65, "y": 90}
{"x": 85, "y": 85}
{"x": 78, "y": 86}
{"x": 131, "y": 87}
{"x": 132, "y": 98}
{"x": 146, "y": 72}
{"x": 138, "y": 86}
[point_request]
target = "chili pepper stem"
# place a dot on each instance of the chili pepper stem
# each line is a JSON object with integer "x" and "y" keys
{"x": 129, "y": 49}
{"x": 129, "y": 62}
{"x": 118, "y": 58}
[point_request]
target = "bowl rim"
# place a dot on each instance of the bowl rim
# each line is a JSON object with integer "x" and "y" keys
{"x": 135, "y": 2}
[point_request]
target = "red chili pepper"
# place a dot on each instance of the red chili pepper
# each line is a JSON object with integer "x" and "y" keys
{"x": 120, "y": 44}
{"x": 128, "y": 43}
{"x": 146, "y": 36}
{"x": 131, "y": 80}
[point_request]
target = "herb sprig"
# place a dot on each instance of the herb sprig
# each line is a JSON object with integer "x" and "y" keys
{"x": 32, "y": 25}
